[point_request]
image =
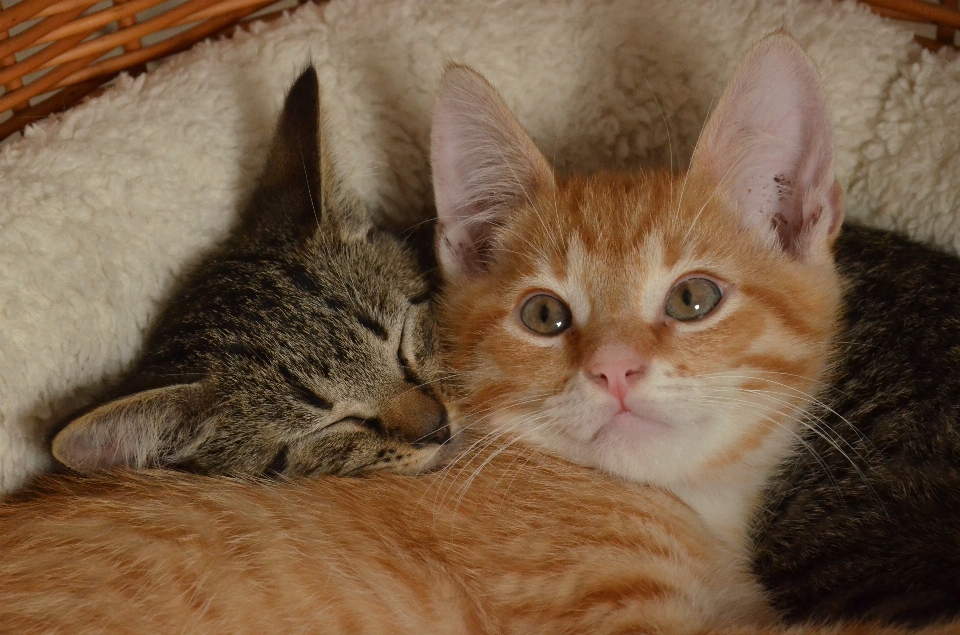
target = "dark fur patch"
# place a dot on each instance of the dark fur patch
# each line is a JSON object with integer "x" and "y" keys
{"x": 408, "y": 375}
{"x": 876, "y": 534}
{"x": 335, "y": 305}
{"x": 374, "y": 424}
{"x": 420, "y": 298}
{"x": 303, "y": 280}
{"x": 279, "y": 463}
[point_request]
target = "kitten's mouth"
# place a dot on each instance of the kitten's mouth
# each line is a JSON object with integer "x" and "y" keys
{"x": 629, "y": 424}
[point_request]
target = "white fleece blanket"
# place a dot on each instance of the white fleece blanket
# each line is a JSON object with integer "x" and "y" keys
{"x": 104, "y": 205}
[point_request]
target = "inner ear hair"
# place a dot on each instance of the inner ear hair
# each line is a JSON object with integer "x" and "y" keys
{"x": 144, "y": 429}
{"x": 484, "y": 166}
{"x": 769, "y": 147}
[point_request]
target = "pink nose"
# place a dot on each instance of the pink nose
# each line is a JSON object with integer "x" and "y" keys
{"x": 616, "y": 369}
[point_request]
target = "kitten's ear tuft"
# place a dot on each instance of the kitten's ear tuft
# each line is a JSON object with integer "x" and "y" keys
{"x": 294, "y": 153}
{"x": 138, "y": 431}
{"x": 286, "y": 201}
{"x": 769, "y": 147}
{"x": 484, "y": 165}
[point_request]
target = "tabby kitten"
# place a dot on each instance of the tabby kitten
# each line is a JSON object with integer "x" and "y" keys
{"x": 304, "y": 346}
{"x": 614, "y": 320}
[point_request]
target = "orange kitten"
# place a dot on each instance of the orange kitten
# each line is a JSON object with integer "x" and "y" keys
{"x": 665, "y": 329}
{"x": 616, "y": 321}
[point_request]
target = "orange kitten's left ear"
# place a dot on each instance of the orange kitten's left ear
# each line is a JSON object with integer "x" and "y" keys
{"x": 769, "y": 147}
{"x": 484, "y": 165}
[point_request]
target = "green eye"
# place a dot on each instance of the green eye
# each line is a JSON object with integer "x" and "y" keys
{"x": 546, "y": 315}
{"x": 692, "y": 299}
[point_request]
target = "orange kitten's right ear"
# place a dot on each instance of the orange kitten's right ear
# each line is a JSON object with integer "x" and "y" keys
{"x": 484, "y": 164}
{"x": 141, "y": 430}
{"x": 769, "y": 147}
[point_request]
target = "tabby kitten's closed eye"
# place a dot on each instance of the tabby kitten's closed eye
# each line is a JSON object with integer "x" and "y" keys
{"x": 305, "y": 345}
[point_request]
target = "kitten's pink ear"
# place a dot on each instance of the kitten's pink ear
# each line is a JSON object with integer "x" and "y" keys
{"x": 136, "y": 431}
{"x": 769, "y": 148}
{"x": 484, "y": 164}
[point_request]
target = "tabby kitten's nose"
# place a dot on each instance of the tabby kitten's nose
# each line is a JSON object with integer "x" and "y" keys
{"x": 416, "y": 417}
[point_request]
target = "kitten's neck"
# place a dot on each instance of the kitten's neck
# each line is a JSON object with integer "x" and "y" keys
{"x": 729, "y": 498}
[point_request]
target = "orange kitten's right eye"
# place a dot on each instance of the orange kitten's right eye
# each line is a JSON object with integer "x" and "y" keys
{"x": 545, "y": 315}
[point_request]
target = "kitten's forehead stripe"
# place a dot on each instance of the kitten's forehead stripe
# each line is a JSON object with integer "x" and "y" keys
{"x": 302, "y": 279}
{"x": 303, "y": 391}
{"x": 334, "y": 304}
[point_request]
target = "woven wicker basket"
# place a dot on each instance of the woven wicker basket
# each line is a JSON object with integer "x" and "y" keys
{"x": 55, "y": 52}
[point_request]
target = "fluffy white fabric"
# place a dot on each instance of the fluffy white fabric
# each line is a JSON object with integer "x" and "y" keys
{"x": 104, "y": 205}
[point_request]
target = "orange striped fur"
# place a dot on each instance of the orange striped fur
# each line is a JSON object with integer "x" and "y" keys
{"x": 529, "y": 544}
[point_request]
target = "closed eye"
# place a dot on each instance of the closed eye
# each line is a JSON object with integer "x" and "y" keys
{"x": 408, "y": 375}
{"x": 420, "y": 298}
{"x": 303, "y": 392}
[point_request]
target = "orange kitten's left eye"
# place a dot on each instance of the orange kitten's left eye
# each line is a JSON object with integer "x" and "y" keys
{"x": 692, "y": 299}
{"x": 545, "y": 315}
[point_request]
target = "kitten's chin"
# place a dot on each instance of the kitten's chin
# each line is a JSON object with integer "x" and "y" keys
{"x": 641, "y": 447}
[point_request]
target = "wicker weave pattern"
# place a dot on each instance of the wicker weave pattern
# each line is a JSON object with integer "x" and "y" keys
{"x": 55, "y": 52}
{"x": 945, "y": 17}
{"x": 70, "y": 47}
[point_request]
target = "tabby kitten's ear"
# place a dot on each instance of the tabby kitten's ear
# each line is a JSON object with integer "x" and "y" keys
{"x": 286, "y": 202}
{"x": 151, "y": 427}
{"x": 299, "y": 187}
{"x": 483, "y": 164}
{"x": 140, "y": 430}
{"x": 769, "y": 147}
